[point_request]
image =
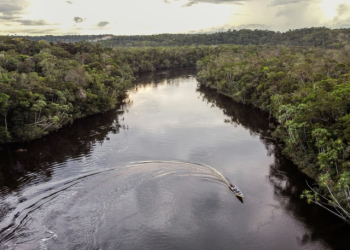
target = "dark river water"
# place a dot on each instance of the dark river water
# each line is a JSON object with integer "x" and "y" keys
{"x": 151, "y": 175}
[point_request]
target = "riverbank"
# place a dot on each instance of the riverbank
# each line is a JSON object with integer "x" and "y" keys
{"x": 307, "y": 91}
{"x": 44, "y": 86}
{"x": 80, "y": 177}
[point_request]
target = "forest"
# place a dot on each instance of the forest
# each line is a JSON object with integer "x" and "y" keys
{"x": 67, "y": 38}
{"x": 324, "y": 37}
{"x": 45, "y": 85}
{"x": 320, "y": 36}
{"x": 307, "y": 91}
{"x": 301, "y": 77}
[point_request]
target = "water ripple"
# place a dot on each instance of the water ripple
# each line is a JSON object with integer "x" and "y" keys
{"x": 138, "y": 183}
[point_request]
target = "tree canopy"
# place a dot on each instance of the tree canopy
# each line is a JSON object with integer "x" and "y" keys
{"x": 315, "y": 36}
{"x": 44, "y": 85}
{"x": 307, "y": 90}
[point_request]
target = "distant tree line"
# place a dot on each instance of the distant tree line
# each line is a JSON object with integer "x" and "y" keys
{"x": 307, "y": 90}
{"x": 66, "y": 38}
{"x": 320, "y": 37}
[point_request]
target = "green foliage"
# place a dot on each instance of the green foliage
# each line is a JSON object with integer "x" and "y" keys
{"x": 307, "y": 90}
{"x": 320, "y": 37}
{"x": 4, "y": 135}
{"x": 44, "y": 85}
{"x": 310, "y": 196}
{"x": 315, "y": 37}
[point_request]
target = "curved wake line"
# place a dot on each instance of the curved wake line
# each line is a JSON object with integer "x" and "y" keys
{"x": 218, "y": 174}
{"x": 212, "y": 170}
{"x": 20, "y": 216}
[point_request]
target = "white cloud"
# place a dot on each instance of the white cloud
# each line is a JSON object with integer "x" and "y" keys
{"x": 168, "y": 16}
{"x": 10, "y": 9}
{"x": 102, "y": 24}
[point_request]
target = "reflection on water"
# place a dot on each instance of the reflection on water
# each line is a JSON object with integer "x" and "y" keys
{"x": 18, "y": 161}
{"x": 287, "y": 181}
{"x": 74, "y": 188}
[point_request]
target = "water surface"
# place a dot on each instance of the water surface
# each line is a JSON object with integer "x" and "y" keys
{"x": 140, "y": 177}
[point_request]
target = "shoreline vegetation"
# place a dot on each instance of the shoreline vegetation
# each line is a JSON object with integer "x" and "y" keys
{"x": 44, "y": 86}
{"x": 307, "y": 90}
{"x": 301, "y": 77}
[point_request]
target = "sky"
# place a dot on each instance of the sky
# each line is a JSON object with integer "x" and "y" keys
{"x": 143, "y": 17}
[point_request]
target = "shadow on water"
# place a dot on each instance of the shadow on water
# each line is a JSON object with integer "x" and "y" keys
{"x": 254, "y": 119}
{"x": 287, "y": 180}
{"x": 288, "y": 185}
{"x": 163, "y": 75}
{"x": 24, "y": 164}
{"x": 240, "y": 199}
{"x": 21, "y": 159}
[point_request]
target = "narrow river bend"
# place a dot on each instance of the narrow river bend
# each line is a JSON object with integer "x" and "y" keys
{"x": 140, "y": 177}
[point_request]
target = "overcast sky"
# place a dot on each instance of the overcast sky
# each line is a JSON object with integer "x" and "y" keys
{"x": 130, "y": 17}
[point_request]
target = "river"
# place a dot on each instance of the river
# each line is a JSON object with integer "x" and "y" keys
{"x": 144, "y": 176}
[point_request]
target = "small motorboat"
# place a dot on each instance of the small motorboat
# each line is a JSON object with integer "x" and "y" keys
{"x": 236, "y": 191}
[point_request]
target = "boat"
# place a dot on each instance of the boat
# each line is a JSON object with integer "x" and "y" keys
{"x": 236, "y": 191}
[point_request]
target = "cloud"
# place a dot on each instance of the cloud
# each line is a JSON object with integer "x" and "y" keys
{"x": 33, "y": 22}
{"x": 189, "y": 4}
{"x": 102, "y": 24}
{"x": 34, "y": 31}
{"x": 219, "y": 1}
{"x": 342, "y": 24}
{"x": 285, "y": 2}
{"x": 78, "y": 19}
{"x": 10, "y": 9}
{"x": 294, "y": 14}
{"x": 343, "y": 9}
{"x": 284, "y": 12}
{"x": 69, "y": 2}
{"x": 40, "y": 31}
{"x": 193, "y": 2}
{"x": 342, "y": 20}
{"x": 290, "y": 9}
{"x": 9, "y": 18}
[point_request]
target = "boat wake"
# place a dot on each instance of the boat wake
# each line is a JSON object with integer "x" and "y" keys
{"x": 48, "y": 212}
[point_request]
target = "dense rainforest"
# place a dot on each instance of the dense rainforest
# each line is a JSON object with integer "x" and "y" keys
{"x": 323, "y": 37}
{"x": 307, "y": 90}
{"x": 329, "y": 38}
{"x": 44, "y": 86}
{"x": 301, "y": 77}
